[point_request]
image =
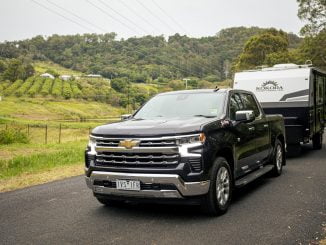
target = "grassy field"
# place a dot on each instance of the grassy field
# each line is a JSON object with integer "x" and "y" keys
{"x": 43, "y": 66}
{"x": 33, "y": 163}
{"x": 28, "y": 164}
{"x": 41, "y": 109}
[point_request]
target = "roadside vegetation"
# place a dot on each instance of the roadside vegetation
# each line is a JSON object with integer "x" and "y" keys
{"x": 22, "y": 165}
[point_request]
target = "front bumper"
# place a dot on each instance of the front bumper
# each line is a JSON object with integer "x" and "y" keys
{"x": 181, "y": 191}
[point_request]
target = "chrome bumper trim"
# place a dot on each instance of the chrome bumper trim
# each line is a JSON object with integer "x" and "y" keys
{"x": 184, "y": 189}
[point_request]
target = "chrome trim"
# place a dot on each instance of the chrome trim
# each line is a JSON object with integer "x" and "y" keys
{"x": 144, "y": 138}
{"x": 138, "y": 149}
{"x": 183, "y": 188}
{"x": 182, "y": 149}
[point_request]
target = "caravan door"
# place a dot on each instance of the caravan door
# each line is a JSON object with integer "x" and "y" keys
{"x": 318, "y": 102}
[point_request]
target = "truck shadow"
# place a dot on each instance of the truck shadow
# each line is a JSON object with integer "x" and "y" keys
{"x": 178, "y": 211}
{"x": 304, "y": 151}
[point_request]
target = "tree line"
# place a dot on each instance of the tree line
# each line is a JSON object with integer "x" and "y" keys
{"x": 143, "y": 59}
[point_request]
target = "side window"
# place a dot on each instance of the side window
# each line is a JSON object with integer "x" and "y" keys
{"x": 235, "y": 105}
{"x": 250, "y": 103}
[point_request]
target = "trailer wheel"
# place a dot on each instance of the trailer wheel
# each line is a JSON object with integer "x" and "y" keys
{"x": 317, "y": 141}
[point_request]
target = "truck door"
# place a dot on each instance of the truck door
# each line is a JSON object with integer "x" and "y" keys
{"x": 244, "y": 138}
{"x": 261, "y": 130}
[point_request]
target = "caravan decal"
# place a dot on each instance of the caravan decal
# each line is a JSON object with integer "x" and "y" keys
{"x": 269, "y": 86}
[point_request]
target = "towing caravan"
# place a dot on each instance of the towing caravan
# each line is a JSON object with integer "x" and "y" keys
{"x": 298, "y": 92}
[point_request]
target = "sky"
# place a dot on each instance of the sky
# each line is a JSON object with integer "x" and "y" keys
{"x": 21, "y": 19}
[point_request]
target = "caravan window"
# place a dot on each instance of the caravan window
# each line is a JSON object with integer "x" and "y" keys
{"x": 250, "y": 103}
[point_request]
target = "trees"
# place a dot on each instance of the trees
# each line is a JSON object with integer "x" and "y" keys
{"x": 314, "y": 45}
{"x": 267, "y": 48}
{"x": 314, "y": 49}
{"x": 140, "y": 59}
{"x": 17, "y": 69}
{"x": 314, "y": 13}
{"x": 120, "y": 84}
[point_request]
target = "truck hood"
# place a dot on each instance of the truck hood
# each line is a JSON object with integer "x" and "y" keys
{"x": 157, "y": 127}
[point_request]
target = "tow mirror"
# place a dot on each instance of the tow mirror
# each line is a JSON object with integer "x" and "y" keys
{"x": 125, "y": 117}
{"x": 245, "y": 116}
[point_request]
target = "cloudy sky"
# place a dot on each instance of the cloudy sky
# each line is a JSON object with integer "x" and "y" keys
{"x": 20, "y": 19}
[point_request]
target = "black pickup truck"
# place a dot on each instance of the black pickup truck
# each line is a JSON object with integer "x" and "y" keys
{"x": 191, "y": 146}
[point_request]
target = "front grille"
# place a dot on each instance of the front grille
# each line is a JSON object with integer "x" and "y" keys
{"x": 157, "y": 143}
{"x": 195, "y": 164}
{"x": 143, "y": 186}
{"x": 103, "y": 142}
{"x": 129, "y": 159}
{"x": 107, "y": 142}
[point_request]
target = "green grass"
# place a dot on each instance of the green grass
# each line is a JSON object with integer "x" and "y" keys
{"x": 41, "y": 109}
{"x": 40, "y": 158}
{"x": 43, "y": 66}
{"x": 11, "y": 135}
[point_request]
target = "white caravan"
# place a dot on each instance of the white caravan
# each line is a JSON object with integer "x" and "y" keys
{"x": 298, "y": 92}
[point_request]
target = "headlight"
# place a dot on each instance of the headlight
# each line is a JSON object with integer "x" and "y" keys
{"x": 92, "y": 145}
{"x": 199, "y": 138}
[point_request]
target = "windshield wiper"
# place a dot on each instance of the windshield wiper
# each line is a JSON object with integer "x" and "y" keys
{"x": 207, "y": 116}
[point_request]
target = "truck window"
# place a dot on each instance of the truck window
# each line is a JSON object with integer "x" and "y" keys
{"x": 250, "y": 104}
{"x": 235, "y": 105}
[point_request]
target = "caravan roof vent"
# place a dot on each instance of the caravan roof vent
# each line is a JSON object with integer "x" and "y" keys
{"x": 290, "y": 65}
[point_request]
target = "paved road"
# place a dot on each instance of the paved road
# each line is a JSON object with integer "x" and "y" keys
{"x": 290, "y": 209}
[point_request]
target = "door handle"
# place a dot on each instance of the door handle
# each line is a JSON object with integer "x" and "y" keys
{"x": 265, "y": 125}
{"x": 251, "y": 128}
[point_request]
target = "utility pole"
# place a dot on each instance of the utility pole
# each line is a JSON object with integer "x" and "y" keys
{"x": 128, "y": 96}
{"x": 186, "y": 80}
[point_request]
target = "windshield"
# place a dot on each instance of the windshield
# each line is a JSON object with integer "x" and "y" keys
{"x": 183, "y": 105}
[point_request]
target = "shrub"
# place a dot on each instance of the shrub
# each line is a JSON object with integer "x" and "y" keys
{"x": 11, "y": 136}
{"x": 38, "y": 82}
{"x": 75, "y": 90}
{"x": 47, "y": 85}
{"x": 25, "y": 87}
{"x": 66, "y": 90}
{"x": 57, "y": 87}
{"x": 13, "y": 87}
{"x": 4, "y": 85}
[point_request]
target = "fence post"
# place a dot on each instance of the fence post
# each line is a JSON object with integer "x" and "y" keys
{"x": 89, "y": 131}
{"x": 27, "y": 129}
{"x": 46, "y": 133}
{"x": 60, "y": 133}
{"x": 6, "y": 126}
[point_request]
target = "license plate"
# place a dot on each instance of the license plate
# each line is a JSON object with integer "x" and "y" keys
{"x": 131, "y": 185}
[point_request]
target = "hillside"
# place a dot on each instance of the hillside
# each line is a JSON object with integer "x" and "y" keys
{"x": 144, "y": 59}
{"x": 44, "y": 66}
{"x": 40, "y": 109}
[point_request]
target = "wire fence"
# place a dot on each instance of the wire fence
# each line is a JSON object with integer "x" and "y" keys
{"x": 47, "y": 134}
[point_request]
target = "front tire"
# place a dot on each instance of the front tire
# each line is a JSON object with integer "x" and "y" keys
{"x": 317, "y": 141}
{"x": 218, "y": 198}
{"x": 278, "y": 159}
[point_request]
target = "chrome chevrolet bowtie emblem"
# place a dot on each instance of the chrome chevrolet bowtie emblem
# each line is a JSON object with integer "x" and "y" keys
{"x": 128, "y": 144}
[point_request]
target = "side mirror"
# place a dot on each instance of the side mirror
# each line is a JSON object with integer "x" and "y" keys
{"x": 245, "y": 116}
{"x": 125, "y": 117}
